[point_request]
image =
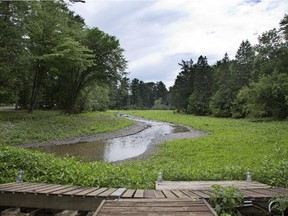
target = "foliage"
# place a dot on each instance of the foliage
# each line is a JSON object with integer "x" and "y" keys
{"x": 267, "y": 97}
{"x": 225, "y": 199}
{"x": 49, "y": 57}
{"x": 202, "y": 82}
{"x": 143, "y": 95}
{"x": 280, "y": 203}
{"x": 19, "y": 127}
{"x": 232, "y": 147}
{"x": 93, "y": 99}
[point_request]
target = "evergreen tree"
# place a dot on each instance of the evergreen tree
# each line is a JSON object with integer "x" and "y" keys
{"x": 202, "y": 88}
{"x": 183, "y": 86}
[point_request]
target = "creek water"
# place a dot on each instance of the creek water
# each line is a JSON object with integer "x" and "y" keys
{"x": 119, "y": 148}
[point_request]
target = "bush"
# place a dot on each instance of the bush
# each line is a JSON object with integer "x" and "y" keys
{"x": 265, "y": 98}
{"x": 93, "y": 99}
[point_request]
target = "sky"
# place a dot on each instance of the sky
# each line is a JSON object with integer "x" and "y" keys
{"x": 157, "y": 34}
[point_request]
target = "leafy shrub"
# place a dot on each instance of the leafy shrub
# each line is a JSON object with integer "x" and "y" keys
{"x": 225, "y": 199}
{"x": 280, "y": 203}
{"x": 267, "y": 97}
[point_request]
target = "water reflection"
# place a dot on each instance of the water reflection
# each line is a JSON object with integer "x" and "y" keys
{"x": 118, "y": 148}
{"x": 92, "y": 151}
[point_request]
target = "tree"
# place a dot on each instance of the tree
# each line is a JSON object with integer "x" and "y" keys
{"x": 222, "y": 98}
{"x": 101, "y": 62}
{"x": 265, "y": 98}
{"x": 284, "y": 26}
{"x": 161, "y": 92}
{"x": 13, "y": 55}
{"x": 46, "y": 26}
{"x": 119, "y": 94}
{"x": 243, "y": 66}
{"x": 272, "y": 52}
{"x": 202, "y": 88}
{"x": 183, "y": 86}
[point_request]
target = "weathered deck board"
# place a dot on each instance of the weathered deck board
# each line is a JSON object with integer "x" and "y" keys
{"x": 107, "y": 192}
{"x": 95, "y": 193}
{"x": 139, "y": 194}
{"x": 117, "y": 193}
{"x": 206, "y": 185}
{"x": 129, "y": 193}
{"x": 87, "y": 191}
{"x": 169, "y": 194}
{"x": 149, "y": 194}
{"x": 179, "y": 194}
{"x": 154, "y": 207}
{"x": 32, "y": 195}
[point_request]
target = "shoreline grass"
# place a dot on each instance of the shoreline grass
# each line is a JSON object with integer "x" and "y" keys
{"x": 232, "y": 148}
{"x": 20, "y": 127}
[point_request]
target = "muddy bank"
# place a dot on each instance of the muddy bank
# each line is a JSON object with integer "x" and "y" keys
{"x": 133, "y": 129}
{"x": 135, "y": 142}
{"x": 187, "y": 133}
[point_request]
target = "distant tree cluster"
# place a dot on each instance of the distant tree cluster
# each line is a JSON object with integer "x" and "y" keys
{"x": 138, "y": 95}
{"x": 49, "y": 57}
{"x": 255, "y": 83}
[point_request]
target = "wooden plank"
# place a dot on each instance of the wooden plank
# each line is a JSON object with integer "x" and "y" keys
{"x": 87, "y": 191}
{"x": 107, "y": 192}
{"x": 200, "y": 194}
{"x": 202, "y": 208}
{"x": 159, "y": 194}
{"x": 42, "y": 201}
{"x": 95, "y": 193}
{"x": 149, "y": 194}
{"x": 118, "y": 192}
{"x": 155, "y": 203}
{"x": 206, "y": 185}
{"x": 64, "y": 190}
{"x": 155, "y": 207}
{"x": 251, "y": 194}
{"x": 190, "y": 194}
{"x": 31, "y": 188}
{"x": 179, "y": 194}
{"x": 99, "y": 208}
{"x": 267, "y": 192}
{"x": 169, "y": 194}
{"x": 209, "y": 207}
{"x": 156, "y": 214}
{"x": 49, "y": 189}
{"x": 280, "y": 190}
{"x": 139, "y": 194}
{"x": 129, "y": 193}
{"x": 14, "y": 186}
{"x": 73, "y": 192}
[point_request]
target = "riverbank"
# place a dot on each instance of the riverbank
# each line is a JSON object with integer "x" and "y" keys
{"x": 22, "y": 128}
{"x": 233, "y": 147}
{"x": 137, "y": 141}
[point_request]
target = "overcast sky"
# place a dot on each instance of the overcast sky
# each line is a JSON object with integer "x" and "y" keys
{"x": 158, "y": 34}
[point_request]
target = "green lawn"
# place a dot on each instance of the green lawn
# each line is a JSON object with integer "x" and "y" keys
{"x": 233, "y": 147}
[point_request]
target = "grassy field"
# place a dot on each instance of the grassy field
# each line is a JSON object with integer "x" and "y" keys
{"x": 233, "y": 147}
{"x": 20, "y": 127}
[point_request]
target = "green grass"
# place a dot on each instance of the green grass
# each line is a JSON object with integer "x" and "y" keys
{"x": 20, "y": 127}
{"x": 233, "y": 147}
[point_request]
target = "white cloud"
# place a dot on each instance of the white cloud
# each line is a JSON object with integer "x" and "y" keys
{"x": 157, "y": 34}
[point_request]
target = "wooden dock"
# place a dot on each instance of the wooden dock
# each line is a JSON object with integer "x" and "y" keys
{"x": 50, "y": 196}
{"x": 155, "y": 207}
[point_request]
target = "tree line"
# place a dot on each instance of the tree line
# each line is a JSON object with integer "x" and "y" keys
{"x": 49, "y": 57}
{"x": 255, "y": 83}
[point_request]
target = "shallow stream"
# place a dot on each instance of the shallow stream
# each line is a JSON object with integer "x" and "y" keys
{"x": 121, "y": 148}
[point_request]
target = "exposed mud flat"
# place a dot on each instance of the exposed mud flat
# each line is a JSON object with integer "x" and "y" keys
{"x": 131, "y": 143}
